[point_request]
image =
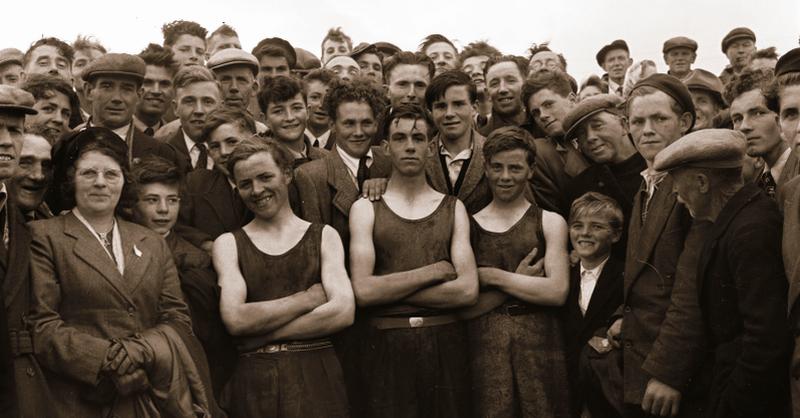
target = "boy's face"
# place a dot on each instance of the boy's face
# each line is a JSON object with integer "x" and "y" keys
{"x": 508, "y": 173}
{"x": 592, "y": 236}
{"x": 287, "y": 120}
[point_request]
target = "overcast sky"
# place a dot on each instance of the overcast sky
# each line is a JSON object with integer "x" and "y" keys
{"x": 575, "y": 28}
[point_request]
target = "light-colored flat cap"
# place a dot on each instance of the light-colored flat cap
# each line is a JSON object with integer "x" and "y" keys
{"x": 706, "y": 148}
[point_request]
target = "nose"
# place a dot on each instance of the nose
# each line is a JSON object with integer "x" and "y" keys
{"x": 503, "y": 87}
{"x": 450, "y": 112}
{"x": 36, "y": 173}
{"x": 199, "y": 108}
{"x": 5, "y": 138}
{"x": 162, "y": 206}
{"x": 359, "y": 131}
{"x": 58, "y": 118}
{"x": 647, "y": 128}
{"x": 744, "y": 125}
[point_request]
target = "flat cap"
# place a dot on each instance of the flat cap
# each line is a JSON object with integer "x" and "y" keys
{"x": 679, "y": 42}
{"x": 291, "y": 55}
{"x": 15, "y": 100}
{"x": 673, "y": 88}
{"x": 706, "y": 148}
{"x": 232, "y": 56}
{"x": 737, "y": 33}
{"x": 705, "y": 80}
{"x": 788, "y": 63}
{"x": 587, "y": 108}
{"x": 618, "y": 44}
{"x": 120, "y": 65}
{"x": 387, "y": 48}
{"x": 306, "y": 60}
{"x": 364, "y": 48}
{"x": 10, "y": 55}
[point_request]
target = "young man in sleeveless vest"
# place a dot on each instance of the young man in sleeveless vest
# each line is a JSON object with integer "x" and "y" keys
{"x": 516, "y": 346}
{"x": 284, "y": 290}
{"x": 412, "y": 266}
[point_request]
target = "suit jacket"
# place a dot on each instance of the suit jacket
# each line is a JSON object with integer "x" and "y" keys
{"x": 144, "y": 146}
{"x": 555, "y": 166}
{"x": 790, "y": 171}
{"x": 326, "y": 190}
{"x": 791, "y": 246}
{"x": 210, "y": 207}
{"x": 81, "y": 302}
{"x": 474, "y": 191}
{"x": 651, "y": 264}
{"x": 742, "y": 295}
{"x": 178, "y": 144}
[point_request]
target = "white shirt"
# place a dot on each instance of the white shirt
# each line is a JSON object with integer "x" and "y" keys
{"x": 318, "y": 141}
{"x": 194, "y": 151}
{"x": 614, "y": 88}
{"x": 122, "y": 132}
{"x": 3, "y": 200}
{"x": 352, "y": 163}
{"x": 116, "y": 240}
{"x": 652, "y": 179}
{"x": 777, "y": 169}
{"x": 455, "y": 163}
{"x": 588, "y": 282}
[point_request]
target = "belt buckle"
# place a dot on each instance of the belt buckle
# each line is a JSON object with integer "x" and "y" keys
{"x": 416, "y": 321}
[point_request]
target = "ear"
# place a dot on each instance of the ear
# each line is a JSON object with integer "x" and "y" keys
{"x": 254, "y": 89}
{"x": 572, "y": 97}
{"x": 431, "y": 147}
{"x": 616, "y": 235}
{"x": 87, "y": 88}
{"x": 703, "y": 185}
{"x": 385, "y": 147}
{"x": 685, "y": 122}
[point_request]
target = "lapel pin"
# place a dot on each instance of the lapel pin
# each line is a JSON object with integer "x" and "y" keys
{"x": 137, "y": 251}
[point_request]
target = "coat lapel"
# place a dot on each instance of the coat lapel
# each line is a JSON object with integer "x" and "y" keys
{"x": 339, "y": 178}
{"x": 136, "y": 260}
{"x": 18, "y": 258}
{"x": 435, "y": 173}
{"x": 604, "y": 288}
{"x": 475, "y": 168}
{"x": 218, "y": 197}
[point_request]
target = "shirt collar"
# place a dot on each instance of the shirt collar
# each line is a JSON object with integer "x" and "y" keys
{"x": 777, "y": 169}
{"x": 465, "y": 154}
{"x": 652, "y": 178}
{"x": 189, "y": 141}
{"x": 323, "y": 139}
{"x": 352, "y": 162}
{"x": 139, "y": 124}
{"x": 595, "y": 272}
{"x": 3, "y": 195}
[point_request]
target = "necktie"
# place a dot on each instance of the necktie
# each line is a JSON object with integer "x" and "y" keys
{"x": 202, "y": 159}
{"x": 149, "y": 131}
{"x": 767, "y": 183}
{"x": 362, "y": 174}
{"x": 106, "y": 238}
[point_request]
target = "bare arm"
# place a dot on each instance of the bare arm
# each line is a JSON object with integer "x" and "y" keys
{"x": 463, "y": 291}
{"x": 242, "y": 318}
{"x": 380, "y": 290}
{"x": 551, "y": 289}
{"x": 335, "y": 314}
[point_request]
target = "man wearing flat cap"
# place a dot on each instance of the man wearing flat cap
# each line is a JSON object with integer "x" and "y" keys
{"x": 679, "y": 55}
{"x": 236, "y": 70}
{"x": 738, "y": 45}
{"x": 615, "y": 58}
{"x": 11, "y": 67}
{"x": 742, "y": 285}
{"x": 598, "y": 124}
{"x": 659, "y": 328}
{"x": 113, "y": 84}
{"x": 23, "y": 389}
{"x": 706, "y": 90}
{"x": 370, "y": 60}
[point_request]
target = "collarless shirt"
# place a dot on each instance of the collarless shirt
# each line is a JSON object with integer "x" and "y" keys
{"x": 589, "y": 279}
{"x": 652, "y": 179}
{"x": 455, "y": 163}
{"x": 116, "y": 240}
{"x": 777, "y": 169}
{"x": 318, "y": 141}
{"x": 194, "y": 151}
{"x": 352, "y": 163}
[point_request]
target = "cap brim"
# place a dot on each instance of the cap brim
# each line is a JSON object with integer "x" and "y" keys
{"x": 137, "y": 76}
{"x": 577, "y": 124}
{"x": 18, "y": 109}
{"x": 249, "y": 64}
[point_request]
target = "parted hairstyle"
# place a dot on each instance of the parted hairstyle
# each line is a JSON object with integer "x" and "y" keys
{"x": 509, "y": 138}
{"x": 747, "y": 80}
{"x": 477, "y": 49}
{"x": 280, "y": 154}
{"x": 359, "y": 90}
{"x": 336, "y": 35}
{"x": 83, "y": 43}
{"x": 407, "y": 58}
{"x": 173, "y": 30}
{"x": 158, "y": 56}
{"x": 555, "y": 81}
{"x": 593, "y": 203}
{"x": 154, "y": 169}
{"x": 436, "y": 38}
{"x": 520, "y": 62}
{"x": 225, "y": 114}
{"x": 277, "y": 90}
{"x": 62, "y": 47}
{"x": 43, "y": 86}
{"x": 409, "y": 111}
{"x": 450, "y": 78}
{"x": 192, "y": 74}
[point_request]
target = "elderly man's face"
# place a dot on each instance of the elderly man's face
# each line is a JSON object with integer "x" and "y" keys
{"x": 706, "y": 108}
{"x": 53, "y": 117}
{"x": 616, "y": 63}
{"x": 604, "y": 139}
{"x": 654, "y": 125}
{"x": 11, "y": 74}
{"x": 692, "y": 188}
{"x": 238, "y": 85}
{"x": 34, "y": 174}
{"x": 789, "y": 101}
{"x": 750, "y": 115}
{"x": 12, "y": 126}
{"x": 344, "y": 67}
{"x": 46, "y": 59}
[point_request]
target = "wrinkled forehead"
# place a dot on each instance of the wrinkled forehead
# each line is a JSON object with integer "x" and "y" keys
{"x": 36, "y": 146}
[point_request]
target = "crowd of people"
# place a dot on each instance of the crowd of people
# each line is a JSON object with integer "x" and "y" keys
{"x": 202, "y": 231}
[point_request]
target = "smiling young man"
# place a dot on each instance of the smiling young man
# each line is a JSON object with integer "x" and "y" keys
{"x": 334, "y": 44}
{"x": 157, "y": 89}
{"x": 56, "y": 102}
{"x": 49, "y": 56}
{"x": 504, "y": 77}
{"x": 614, "y": 58}
{"x": 679, "y": 55}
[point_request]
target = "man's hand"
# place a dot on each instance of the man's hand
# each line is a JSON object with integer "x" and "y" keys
{"x": 660, "y": 399}
{"x": 614, "y": 333}
{"x": 525, "y": 268}
{"x": 117, "y": 360}
{"x": 130, "y": 383}
{"x": 373, "y": 189}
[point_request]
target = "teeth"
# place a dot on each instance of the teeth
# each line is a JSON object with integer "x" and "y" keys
{"x": 5, "y": 158}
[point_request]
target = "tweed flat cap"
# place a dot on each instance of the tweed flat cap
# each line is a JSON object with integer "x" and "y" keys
{"x": 705, "y": 80}
{"x": 387, "y": 48}
{"x": 673, "y": 88}
{"x": 306, "y": 60}
{"x": 737, "y": 33}
{"x": 618, "y": 44}
{"x": 120, "y": 65}
{"x": 16, "y": 100}
{"x": 706, "y": 148}
{"x": 679, "y": 42}
{"x": 587, "y": 108}
{"x": 364, "y": 48}
{"x": 230, "y": 57}
{"x": 10, "y": 55}
{"x": 291, "y": 55}
{"x": 788, "y": 63}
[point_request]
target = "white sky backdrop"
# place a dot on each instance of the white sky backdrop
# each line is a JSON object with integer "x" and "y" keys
{"x": 576, "y": 28}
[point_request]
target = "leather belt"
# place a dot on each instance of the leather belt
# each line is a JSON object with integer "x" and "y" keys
{"x": 387, "y": 322}
{"x": 295, "y": 346}
{"x": 21, "y": 342}
{"x": 516, "y": 309}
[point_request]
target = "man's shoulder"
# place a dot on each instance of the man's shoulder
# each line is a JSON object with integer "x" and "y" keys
{"x": 203, "y": 180}
{"x": 168, "y": 131}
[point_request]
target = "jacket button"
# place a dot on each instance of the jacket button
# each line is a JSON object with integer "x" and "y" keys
{"x": 30, "y": 371}
{"x": 627, "y": 308}
{"x": 628, "y": 344}
{"x": 601, "y": 184}
{"x": 130, "y": 310}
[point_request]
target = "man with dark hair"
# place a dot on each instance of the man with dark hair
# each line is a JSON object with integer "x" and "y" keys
{"x": 504, "y": 77}
{"x": 49, "y": 56}
{"x": 87, "y": 49}
{"x": 764, "y": 58}
{"x": 407, "y": 75}
{"x": 157, "y": 89}
{"x": 284, "y": 106}
{"x": 411, "y": 262}
{"x": 315, "y": 88}
{"x": 335, "y": 43}
{"x": 614, "y": 58}
{"x": 751, "y": 115}
{"x": 186, "y": 40}
{"x": 57, "y": 104}
{"x": 370, "y": 60}
{"x": 197, "y": 93}
{"x": 738, "y": 45}
{"x": 706, "y": 90}
{"x": 473, "y": 60}
{"x": 276, "y": 57}
{"x": 457, "y": 168}
{"x": 441, "y": 51}
{"x": 679, "y": 55}
{"x": 11, "y": 73}
{"x": 592, "y": 86}
{"x": 223, "y": 37}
